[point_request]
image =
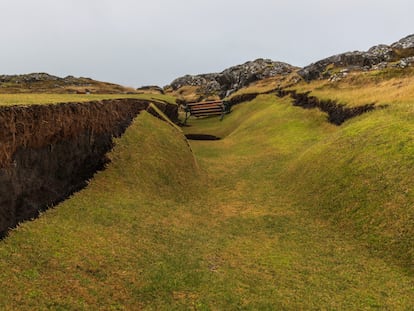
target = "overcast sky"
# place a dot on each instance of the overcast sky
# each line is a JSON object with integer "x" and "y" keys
{"x": 141, "y": 42}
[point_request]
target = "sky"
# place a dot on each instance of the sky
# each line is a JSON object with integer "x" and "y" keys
{"x": 136, "y": 43}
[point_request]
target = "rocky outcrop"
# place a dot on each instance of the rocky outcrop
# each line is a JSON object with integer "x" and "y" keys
{"x": 233, "y": 78}
{"x": 46, "y": 83}
{"x": 349, "y": 60}
{"x": 44, "y": 77}
{"x": 404, "y": 43}
{"x": 381, "y": 56}
{"x": 47, "y": 152}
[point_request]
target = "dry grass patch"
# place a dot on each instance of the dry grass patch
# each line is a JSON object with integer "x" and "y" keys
{"x": 362, "y": 88}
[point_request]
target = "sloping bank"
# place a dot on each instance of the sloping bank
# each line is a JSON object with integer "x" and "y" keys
{"x": 47, "y": 152}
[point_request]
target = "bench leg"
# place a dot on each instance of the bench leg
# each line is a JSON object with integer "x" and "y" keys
{"x": 187, "y": 115}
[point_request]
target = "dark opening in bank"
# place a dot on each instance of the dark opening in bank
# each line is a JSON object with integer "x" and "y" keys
{"x": 201, "y": 137}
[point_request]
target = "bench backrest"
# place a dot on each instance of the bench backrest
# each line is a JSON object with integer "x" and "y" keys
{"x": 206, "y": 108}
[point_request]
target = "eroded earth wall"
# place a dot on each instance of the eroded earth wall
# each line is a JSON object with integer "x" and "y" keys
{"x": 47, "y": 152}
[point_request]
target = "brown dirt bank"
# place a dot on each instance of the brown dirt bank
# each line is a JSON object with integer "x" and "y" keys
{"x": 337, "y": 113}
{"x": 49, "y": 151}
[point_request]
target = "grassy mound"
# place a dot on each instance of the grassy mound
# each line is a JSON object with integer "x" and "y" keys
{"x": 88, "y": 252}
{"x": 286, "y": 211}
{"x": 360, "y": 178}
{"x": 288, "y": 206}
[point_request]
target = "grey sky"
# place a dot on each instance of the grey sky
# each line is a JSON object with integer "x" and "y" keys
{"x": 152, "y": 42}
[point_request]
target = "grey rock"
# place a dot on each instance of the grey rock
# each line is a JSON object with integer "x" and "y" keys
{"x": 382, "y": 51}
{"x": 43, "y": 77}
{"x": 380, "y": 66}
{"x": 404, "y": 43}
{"x": 405, "y": 62}
{"x": 233, "y": 78}
{"x": 350, "y": 60}
{"x": 378, "y": 57}
{"x": 338, "y": 76}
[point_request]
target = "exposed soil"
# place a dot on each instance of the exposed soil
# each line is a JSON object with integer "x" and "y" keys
{"x": 238, "y": 99}
{"x": 201, "y": 137}
{"x": 337, "y": 113}
{"x": 48, "y": 152}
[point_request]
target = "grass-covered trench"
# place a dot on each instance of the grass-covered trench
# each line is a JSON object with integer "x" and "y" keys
{"x": 286, "y": 212}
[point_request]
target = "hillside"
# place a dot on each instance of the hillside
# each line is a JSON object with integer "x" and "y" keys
{"x": 400, "y": 54}
{"x": 264, "y": 75}
{"x": 219, "y": 85}
{"x": 261, "y": 221}
{"x": 288, "y": 210}
{"x": 46, "y": 83}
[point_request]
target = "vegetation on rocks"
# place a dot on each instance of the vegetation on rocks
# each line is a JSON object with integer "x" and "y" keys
{"x": 46, "y": 83}
{"x": 232, "y": 79}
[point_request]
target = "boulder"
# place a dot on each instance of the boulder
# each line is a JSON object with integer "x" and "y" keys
{"x": 404, "y": 43}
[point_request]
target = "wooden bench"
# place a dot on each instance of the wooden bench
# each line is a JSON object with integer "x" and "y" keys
{"x": 207, "y": 108}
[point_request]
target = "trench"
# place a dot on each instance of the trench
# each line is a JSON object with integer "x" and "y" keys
{"x": 337, "y": 113}
{"x": 48, "y": 152}
{"x": 201, "y": 137}
{"x": 238, "y": 99}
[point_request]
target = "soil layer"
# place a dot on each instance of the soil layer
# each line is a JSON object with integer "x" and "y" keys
{"x": 48, "y": 152}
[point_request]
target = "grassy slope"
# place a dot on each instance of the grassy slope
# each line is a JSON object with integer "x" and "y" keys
{"x": 29, "y": 99}
{"x": 271, "y": 226}
{"x": 103, "y": 245}
{"x": 360, "y": 178}
{"x": 383, "y": 87}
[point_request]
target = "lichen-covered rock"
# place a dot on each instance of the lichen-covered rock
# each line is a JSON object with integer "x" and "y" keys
{"x": 404, "y": 43}
{"x": 382, "y": 51}
{"x": 233, "y": 78}
{"x": 46, "y": 83}
{"x": 405, "y": 62}
{"x": 378, "y": 57}
{"x": 380, "y": 66}
{"x": 351, "y": 60}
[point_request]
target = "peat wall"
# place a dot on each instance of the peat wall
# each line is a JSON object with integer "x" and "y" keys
{"x": 337, "y": 113}
{"x": 47, "y": 152}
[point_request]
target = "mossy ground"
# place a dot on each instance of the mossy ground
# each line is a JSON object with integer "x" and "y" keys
{"x": 285, "y": 212}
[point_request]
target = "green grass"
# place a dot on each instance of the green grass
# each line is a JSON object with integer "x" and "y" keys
{"x": 89, "y": 251}
{"x": 286, "y": 212}
{"x": 359, "y": 178}
{"x": 30, "y": 98}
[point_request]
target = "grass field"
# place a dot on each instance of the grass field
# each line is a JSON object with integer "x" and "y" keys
{"x": 286, "y": 212}
{"x": 30, "y": 98}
